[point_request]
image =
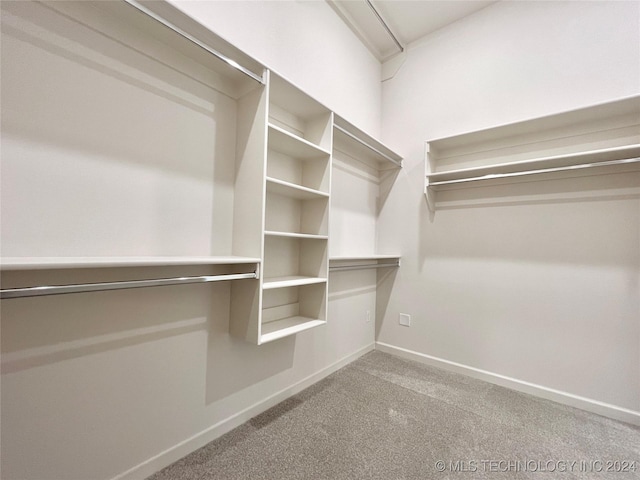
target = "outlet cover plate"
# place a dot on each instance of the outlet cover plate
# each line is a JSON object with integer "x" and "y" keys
{"x": 405, "y": 319}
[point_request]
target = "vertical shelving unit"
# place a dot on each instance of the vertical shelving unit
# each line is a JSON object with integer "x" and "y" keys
{"x": 297, "y": 185}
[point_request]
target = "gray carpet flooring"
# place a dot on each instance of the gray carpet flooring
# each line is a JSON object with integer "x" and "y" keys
{"x": 382, "y": 417}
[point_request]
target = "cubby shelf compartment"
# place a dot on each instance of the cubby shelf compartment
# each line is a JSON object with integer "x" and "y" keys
{"x": 287, "y": 143}
{"x": 293, "y": 111}
{"x": 291, "y": 309}
{"x": 287, "y": 189}
{"x": 599, "y": 139}
{"x": 295, "y": 257}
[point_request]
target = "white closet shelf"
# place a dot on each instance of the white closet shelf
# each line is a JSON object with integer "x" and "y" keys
{"x": 290, "y": 281}
{"x": 292, "y": 145}
{"x": 550, "y": 164}
{"x": 356, "y": 258}
{"x": 287, "y": 326}
{"x": 272, "y": 233}
{"x": 57, "y": 263}
{"x": 363, "y": 262}
{"x": 358, "y": 144}
{"x": 594, "y": 140}
{"x": 287, "y": 189}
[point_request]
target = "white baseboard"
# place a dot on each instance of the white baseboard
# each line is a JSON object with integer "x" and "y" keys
{"x": 590, "y": 405}
{"x": 167, "y": 457}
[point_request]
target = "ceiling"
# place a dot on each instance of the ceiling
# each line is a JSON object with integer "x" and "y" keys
{"x": 408, "y": 20}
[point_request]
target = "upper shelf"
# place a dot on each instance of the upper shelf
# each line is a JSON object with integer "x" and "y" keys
{"x": 357, "y": 144}
{"x": 568, "y": 162}
{"x": 57, "y": 263}
{"x": 603, "y": 138}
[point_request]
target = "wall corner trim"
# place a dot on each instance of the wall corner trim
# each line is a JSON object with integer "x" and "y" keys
{"x": 172, "y": 454}
{"x": 594, "y": 406}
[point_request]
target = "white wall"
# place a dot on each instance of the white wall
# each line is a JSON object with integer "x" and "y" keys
{"x": 307, "y": 43}
{"x": 547, "y": 290}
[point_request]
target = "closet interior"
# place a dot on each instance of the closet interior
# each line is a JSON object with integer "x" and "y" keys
{"x": 186, "y": 152}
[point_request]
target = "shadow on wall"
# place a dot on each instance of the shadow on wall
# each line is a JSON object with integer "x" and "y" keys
{"x": 234, "y": 364}
{"x": 40, "y": 331}
{"x": 387, "y": 180}
{"x": 580, "y": 220}
{"x": 44, "y": 330}
{"x": 384, "y": 287}
{"x": 103, "y": 86}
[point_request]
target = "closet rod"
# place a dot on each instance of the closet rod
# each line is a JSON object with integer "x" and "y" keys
{"x": 364, "y": 267}
{"x": 493, "y": 176}
{"x": 123, "y": 285}
{"x": 370, "y": 147}
{"x": 135, "y": 4}
{"x": 384, "y": 24}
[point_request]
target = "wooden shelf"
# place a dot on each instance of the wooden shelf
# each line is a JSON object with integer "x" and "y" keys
{"x": 287, "y": 326}
{"x": 57, "y": 263}
{"x": 284, "y": 142}
{"x": 287, "y": 189}
{"x": 296, "y": 235}
{"x": 290, "y": 281}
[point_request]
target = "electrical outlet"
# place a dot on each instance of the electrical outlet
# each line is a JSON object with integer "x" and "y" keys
{"x": 368, "y": 317}
{"x": 405, "y": 319}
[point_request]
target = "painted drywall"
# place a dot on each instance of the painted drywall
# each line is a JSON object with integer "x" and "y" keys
{"x": 119, "y": 384}
{"x": 307, "y": 43}
{"x": 546, "y": 290}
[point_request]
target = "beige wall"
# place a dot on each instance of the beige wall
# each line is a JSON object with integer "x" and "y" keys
{"x": 538, "y": 282}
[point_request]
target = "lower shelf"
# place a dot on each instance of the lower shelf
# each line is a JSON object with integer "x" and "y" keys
{"x": 287, "y": 326}
{"x": 289, "y": 310}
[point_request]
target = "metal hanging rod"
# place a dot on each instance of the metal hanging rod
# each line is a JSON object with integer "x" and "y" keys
{"x": 370, "y": 147}
{"x": 195, "y": 41}
{"x": 384, "y": 24}
{"x": 123, "y": 285}
{"x": 364, "y": 267}
{"x": 494, "y": 176}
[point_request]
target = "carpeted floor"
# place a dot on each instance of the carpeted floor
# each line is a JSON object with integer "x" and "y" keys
{"x": 382, "y": 417}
